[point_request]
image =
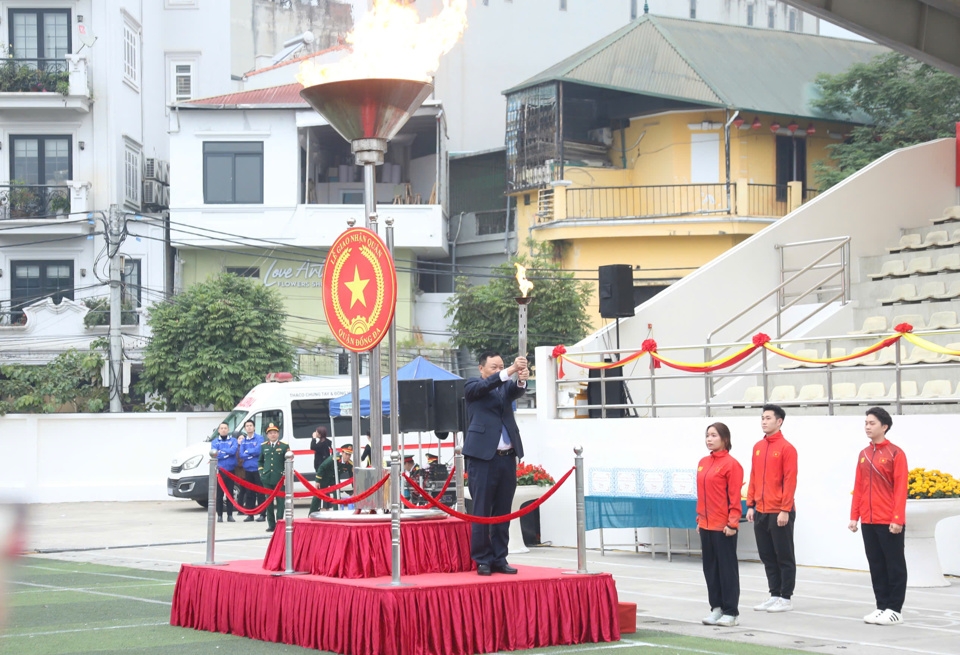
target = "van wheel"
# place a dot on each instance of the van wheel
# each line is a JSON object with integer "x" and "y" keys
{"x": 201, "y": 503}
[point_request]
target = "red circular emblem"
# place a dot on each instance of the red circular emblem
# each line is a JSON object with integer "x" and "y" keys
{"x": 359, "y": 289}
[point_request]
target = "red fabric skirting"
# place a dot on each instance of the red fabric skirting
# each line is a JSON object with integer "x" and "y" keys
{"x": 441, "y": 614}
{"x": 363, "y": 550}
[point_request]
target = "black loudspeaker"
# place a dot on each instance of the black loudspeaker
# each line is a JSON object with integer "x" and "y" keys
{"x": 416, "y": 405}
{"x": 615, "y": 395}
{"x": 448, "y": 406}
{"x": 616, "y": 291}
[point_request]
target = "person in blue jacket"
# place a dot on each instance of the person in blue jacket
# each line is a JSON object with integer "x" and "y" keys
{"x": 249, "y": 451}
{"x": 226, "y": 447}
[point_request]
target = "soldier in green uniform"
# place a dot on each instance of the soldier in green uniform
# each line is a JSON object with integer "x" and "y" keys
{"x": 272, "y": 455}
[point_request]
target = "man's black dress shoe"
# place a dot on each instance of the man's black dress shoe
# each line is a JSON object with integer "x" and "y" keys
{"x": 270, "y": 528}
{"x": 506, "y": 568}
{"x": 484, "y": 569}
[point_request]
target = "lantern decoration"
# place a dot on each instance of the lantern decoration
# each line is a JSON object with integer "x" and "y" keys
{"x": 774, "y": 126}
{"x": 756, "y": 124}
{"x": 793, "y": 127}
{"x": 811, "y": 130}
{"x": 738, "y": 121}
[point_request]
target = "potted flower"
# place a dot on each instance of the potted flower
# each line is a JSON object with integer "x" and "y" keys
{"x": 931, "y": 497}
{"x": 532, "y": 474}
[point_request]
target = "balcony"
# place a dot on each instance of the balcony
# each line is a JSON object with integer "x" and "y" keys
{"x": 45, "y": 84}
{"x": 26, "y": 204}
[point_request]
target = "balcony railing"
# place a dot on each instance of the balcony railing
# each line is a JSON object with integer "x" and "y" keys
{"x": 34, "y": 75}
{"x": 649, "y": 201}
{"x": 768, "y": 200}
{"x": 33, "y": 200}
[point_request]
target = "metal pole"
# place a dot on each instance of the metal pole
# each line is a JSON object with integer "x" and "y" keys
{"x": 212, "y": 507}
{"x": 376, "y": 395}
{"x": 581, "y": 513}
{"x": 395, "y": 516}
{"x": 458, "y": 463}
{"x": 394, "y": 389}
{"x": 288, "y": 510}
{"x": 116, "y": 349}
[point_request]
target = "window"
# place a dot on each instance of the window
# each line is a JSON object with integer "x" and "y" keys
{"x": 232, "y": 172}
{"x": 750, "y": 15}
{"x": 181, "y": 78}
{"x": 244, "y": 271}
{"x": 131, "y": 293}
{"x": 693, "y": 8}
{"x": 41, "y": 160}
{"x": 563, "y": 5}
{"x": 633, "y": 9}
{"x": 131, "y": 54}
{"x": 262, "y": 420}
{"x": 351, "y": 197}
{"x": 771, "y": 17}
{"x": 41, "y": 37}
{"x": 131, "y": 174}
{"x": 36, "y": 280}
{"x": 792, "y": 25}
{"x": 308, "y": 414}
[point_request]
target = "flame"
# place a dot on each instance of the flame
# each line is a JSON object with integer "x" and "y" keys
{"x": 525, "y": 284}
{"x": 390, "y": 42}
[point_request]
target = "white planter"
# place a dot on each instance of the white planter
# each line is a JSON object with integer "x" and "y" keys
{"x": 920, "y": 543}
{"x": 523, "y": 494}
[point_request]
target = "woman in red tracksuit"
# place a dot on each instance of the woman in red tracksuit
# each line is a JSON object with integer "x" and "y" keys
{"x": 879, "y": 504}
{"x": 719, "y": 481}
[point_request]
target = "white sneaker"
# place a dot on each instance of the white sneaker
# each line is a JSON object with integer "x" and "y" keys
{"x": 782, "y": 605}
{"x": 728, "y": 621}
{"x": 888, "y": 617}
{"x": 767, "y": 604}
{"x": 713, "y": 617}
{"x": 872, "y": 616}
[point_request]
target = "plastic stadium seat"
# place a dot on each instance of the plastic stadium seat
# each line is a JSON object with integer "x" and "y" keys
{"x": 934, "y": 239}
{"x": 936, "y": 389}
{"x": 809, "y": 354}
{"x": 953, "y": 291}
{"x": 887, "y": 356}
{"x": 949, "y": 214}
{"x": 859, "y": 361}
{"x": 943, "y": 321}
{"x": 872, "y": 325}
{"x": 916, "y": 320}
{"x": 908, "y": 390}
{"x": 871, "y": 391}
{"x": 753, "y": 396}
{"x": 953, "y": 346}
{"x": 901, "y": 293}
{"x": 907, "y": 241}
{"x": 954, "y": 238}
{"x": 931, "y": 290}
{"x": 783, "y": 393}
{"x": 811, "y": 392}
{"x": 892, "y": 268}
{"x": 844, "y": 391}
{"x": 947, "y": 263}
{"x": 918, "y": 266}
{"x": 923, "y": 356}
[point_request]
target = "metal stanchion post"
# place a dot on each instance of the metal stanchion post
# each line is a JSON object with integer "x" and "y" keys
{"x": 581, "y": 514}
{"x": 212, "y": 507}
{"x": 395, "y": 515}
{"x": 288, "y": 514}
{"x": 458, "y": 464}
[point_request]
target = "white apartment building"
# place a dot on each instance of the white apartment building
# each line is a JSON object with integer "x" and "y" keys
{"x": 84, "y": 89}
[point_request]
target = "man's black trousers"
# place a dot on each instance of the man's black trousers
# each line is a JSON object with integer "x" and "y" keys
{"x": 221, "y": 501}
{"x": 888, "y": 567}
{"x": 492, "y": 485}
{"x": 775, "y": 547}
{"x": 249, "y": 498}
{"x": 721, "y": 570}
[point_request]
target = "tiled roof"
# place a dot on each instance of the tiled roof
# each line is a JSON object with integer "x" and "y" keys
{"x": 285, "y": 96}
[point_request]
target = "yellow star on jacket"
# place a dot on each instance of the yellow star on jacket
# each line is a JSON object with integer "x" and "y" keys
{"x": 356, "y": 287}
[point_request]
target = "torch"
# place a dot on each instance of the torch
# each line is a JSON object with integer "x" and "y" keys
{"x": 522, "y": 301}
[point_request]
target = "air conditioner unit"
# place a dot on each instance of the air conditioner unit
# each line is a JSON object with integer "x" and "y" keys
{"x": 165, "y": 171}
{"x": 602, "y": 135}
{"x": 165, "y": 197}
{"x": 152, "y": 194}
{"x": 151, "y": 168}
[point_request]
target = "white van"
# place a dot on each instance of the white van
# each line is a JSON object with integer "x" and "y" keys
{"x": 297, "y": 408}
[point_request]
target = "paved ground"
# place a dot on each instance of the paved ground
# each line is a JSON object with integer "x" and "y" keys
{"x": 670, "y": 597}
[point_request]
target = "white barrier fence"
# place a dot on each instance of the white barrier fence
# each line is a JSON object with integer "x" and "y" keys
{"x": 54, "y": 458}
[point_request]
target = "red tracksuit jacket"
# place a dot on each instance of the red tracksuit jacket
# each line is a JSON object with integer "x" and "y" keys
{"x": 773, "y": 475}
{"x": 880, "y": 489}
{"x": 719, "y": 480}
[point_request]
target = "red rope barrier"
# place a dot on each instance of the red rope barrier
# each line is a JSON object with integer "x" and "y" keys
{"x": 489, "y": 520}
{"x": 341, "y": 501}
{"x": 297, "y": 494}
{"x": 256, "y": 510}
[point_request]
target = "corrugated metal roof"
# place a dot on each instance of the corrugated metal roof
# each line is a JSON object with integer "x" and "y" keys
{"x": 286, "y": 96}
{"x": 745, "y": 68}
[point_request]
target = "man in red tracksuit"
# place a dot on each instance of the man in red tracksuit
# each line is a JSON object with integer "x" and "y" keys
{"x": 880, "y": 504}
{"x": 773, "y": 482}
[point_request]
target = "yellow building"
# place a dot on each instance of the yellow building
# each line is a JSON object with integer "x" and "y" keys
{"x": 670, "y": 141}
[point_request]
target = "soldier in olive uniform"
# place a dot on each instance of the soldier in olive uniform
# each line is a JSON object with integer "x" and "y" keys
{"x": 272, "y": 455}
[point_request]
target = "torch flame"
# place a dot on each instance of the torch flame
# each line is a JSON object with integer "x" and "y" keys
{"x": 390, "y": 42}
{"x": 525, "y": 284}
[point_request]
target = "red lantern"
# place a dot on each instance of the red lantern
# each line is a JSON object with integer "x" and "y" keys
{"x": 756, "y": 125}
{"x": 738, "y": 121}
{"x": 793, "y": 127}
{"x": 811, "y": 130}
{"x": 774, "y": 126}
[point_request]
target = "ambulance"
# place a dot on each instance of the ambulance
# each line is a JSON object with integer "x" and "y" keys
{"x": 296, "y": 407}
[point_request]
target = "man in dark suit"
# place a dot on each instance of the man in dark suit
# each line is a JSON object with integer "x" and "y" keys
{"x": 491, "y": 448}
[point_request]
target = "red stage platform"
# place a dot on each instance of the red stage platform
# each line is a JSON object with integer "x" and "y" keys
{"x": 362, "y": 550}
{"x": 438, "y": 614}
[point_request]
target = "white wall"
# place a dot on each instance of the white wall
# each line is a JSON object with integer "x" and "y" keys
{"x": 55, "y": 458}
{"x": 430, "y": 316}
{"x": 827, "y": 449}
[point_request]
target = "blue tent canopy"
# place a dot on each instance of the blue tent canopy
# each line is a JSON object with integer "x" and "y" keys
{"x": 418, "y": 369}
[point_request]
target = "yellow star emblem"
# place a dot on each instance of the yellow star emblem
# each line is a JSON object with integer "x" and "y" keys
{"x": 356, "y": 287}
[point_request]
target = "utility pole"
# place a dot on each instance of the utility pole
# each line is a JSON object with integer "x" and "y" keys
{"x": 114, "y": 239}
